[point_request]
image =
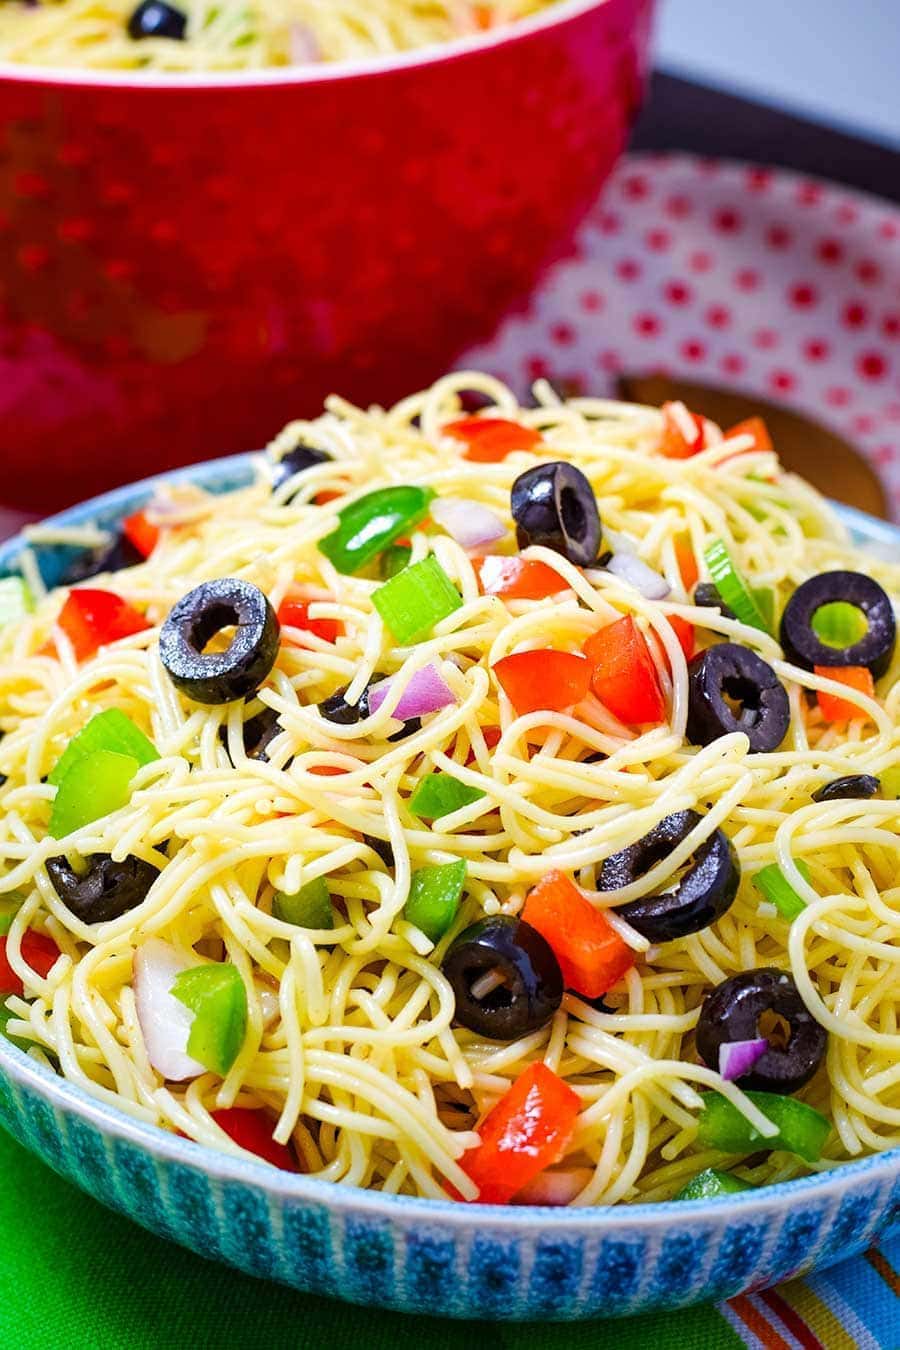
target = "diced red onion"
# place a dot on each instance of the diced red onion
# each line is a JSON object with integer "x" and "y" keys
{"x": 738, "y": 1057}
{"x": 469, "y": 523}
{"x": 165, "y": 1022}
{"x": 425, "y": 693}
{"x": 634, "y": 572}
{"x": 303, "y": 45}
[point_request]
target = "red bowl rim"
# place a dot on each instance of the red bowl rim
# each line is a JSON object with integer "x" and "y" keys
{"x": 557, "y": 14}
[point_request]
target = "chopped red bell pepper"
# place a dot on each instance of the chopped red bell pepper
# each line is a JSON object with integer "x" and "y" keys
{"x": 543, "y": 680}
{"x": 491, "y": 738}
{"x": 90, "y": 619}
{"x": 836, "y": 709}
{"x": 517, "y": 578}
{"x": 252, "y": 1130}
{"x": 295, "y": 614}
{"x": 39, "y": 952}
{"x": 326, "y": 495}
{"x": 528, "y": 1130}
{"x": 488, "y": 440}
{"x": 141, "y": 532}
{"x": 625, "y": 678}
{"x": 683, "y": 432}
{"x": 755, "y": 427}
{"x": 684, "y": 632}
{"x": 591, "y": 955}
{"x": 687, "y": 563}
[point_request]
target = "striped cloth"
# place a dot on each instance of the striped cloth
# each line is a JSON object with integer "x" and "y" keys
{"x": 74, "y": 1275}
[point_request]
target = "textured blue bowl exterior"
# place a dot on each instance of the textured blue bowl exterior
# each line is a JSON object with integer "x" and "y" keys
{"x": 427, "y": 1256}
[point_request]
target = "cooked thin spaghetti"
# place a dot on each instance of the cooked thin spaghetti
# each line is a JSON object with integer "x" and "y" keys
{"x": 351, "y": 1042}
{"x": 240, "y": 34}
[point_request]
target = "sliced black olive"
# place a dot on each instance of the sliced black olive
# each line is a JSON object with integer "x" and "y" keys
{"x": 854, "y": 785}
{"x": 554, "y": 505}
{"x": 295, "y": 461}
{"x": 804, "y": 648}
{"x": 702, "y": 894}
{"x": 382, "y": 848}
{"x": 766, "y": 1004}
{"x": 337, "y": 709}
{"x": 529, "y": 983}
{"x": 259, "y": 731}
{"x": 707, "y": 596}
{"x": 112, "y": 557}
{"x": 220, "y": 677}
{"x": 730, "y": 689}
{"x": 107, "y": 889}
{"x": 156, "y": 19}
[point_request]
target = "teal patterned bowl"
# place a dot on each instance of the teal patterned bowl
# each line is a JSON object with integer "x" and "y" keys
{"x": 421, "y": 1255}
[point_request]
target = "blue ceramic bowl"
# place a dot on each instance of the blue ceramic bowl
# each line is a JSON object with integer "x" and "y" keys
{"x": 422, "y": 1255}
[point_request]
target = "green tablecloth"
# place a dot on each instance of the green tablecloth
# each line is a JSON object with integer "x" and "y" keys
{"x": 76, "y": 1275}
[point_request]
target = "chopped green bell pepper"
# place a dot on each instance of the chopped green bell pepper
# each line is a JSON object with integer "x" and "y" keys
{"x": 6, "y": 1016}
{"x": 96, "y": 785}
{"x": 417, "y": 598}
{"x": 801, "y": 1129}
{"x": 310, "y": 907}
{"x": 439, "y": 794}
{"x": 710, "y": 1183}
{"x": 839, "y": 624}
{"x": 393, "y": 560}
{"x": 9, "y": 908}
{"x": 732, "y": 587}
{"x": 434, "y": 896}
{"x": 774, "y": 885}
{"x": 16, "y": 599}
{"x": 216, "y": 996}
{"x": 890, "y": 784}
{"x": 372, "y": 522}
{"x": 110, "y": 730}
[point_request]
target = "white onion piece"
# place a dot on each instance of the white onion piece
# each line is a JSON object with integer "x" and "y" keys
{"x": 425, "y": 693}
{"x": 634, "y": 572}
{"x": 303, "y": 45}
{"x": 164, "y": 1021}
{"x": 619, "y": 543}
{"x": 469, "y": 523}
{"x": 554, "y": 1188}
{"x": 269, "y": 1006}
{"x": 738, "y": 1057}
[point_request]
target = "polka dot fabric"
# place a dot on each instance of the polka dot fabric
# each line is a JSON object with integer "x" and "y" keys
{"x": 755, "y": 278}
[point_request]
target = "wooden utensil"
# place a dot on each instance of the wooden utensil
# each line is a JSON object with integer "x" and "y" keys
{"x": 804, "y": 446}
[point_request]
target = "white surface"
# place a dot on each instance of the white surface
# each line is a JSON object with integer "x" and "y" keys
{"x": 837, "y": 61}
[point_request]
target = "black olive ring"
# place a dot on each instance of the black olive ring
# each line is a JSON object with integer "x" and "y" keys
{"x": 805, "y": 649}
{"x": 702, "y": 894}
{"x": 554, "y": 505}
{"x": 733, "y": 1012}
{"x": 220, "y": 677}
{"x": 729, "y": 671}
{"x": 860, "y": 785}
{"x": 107, "y": 890}
{"x": 530, "y": 986}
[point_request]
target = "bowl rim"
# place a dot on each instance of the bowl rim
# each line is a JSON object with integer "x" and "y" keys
{"x": 555, "y": 15}
{"x": 279, "y": 1186}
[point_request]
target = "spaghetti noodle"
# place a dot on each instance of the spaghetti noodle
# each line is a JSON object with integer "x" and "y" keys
{"x": 197, "y": 35}
{"x": 352, "y": 1046}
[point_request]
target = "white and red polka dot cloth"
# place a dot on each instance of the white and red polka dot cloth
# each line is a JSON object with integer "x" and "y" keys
{"x": 754, "y": 278}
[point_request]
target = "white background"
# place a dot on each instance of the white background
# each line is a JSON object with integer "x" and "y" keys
{"x": 835, "y": 61}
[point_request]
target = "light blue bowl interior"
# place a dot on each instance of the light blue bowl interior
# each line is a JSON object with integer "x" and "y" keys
{"x": 859, "y": 1181}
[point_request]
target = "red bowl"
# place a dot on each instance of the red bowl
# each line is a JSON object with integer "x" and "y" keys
{"x": 188, "y": 261}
